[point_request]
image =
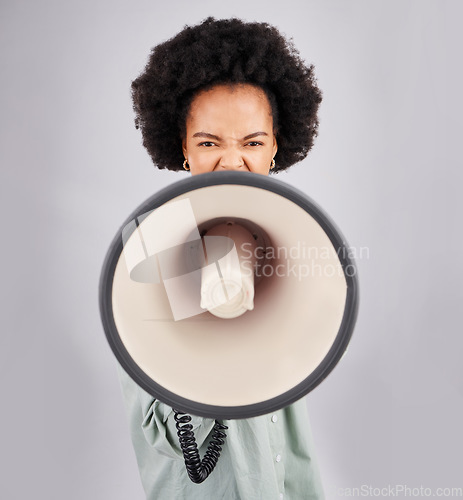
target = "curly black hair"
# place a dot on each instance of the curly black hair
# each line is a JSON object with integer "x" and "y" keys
{"x": 220, "y": 52}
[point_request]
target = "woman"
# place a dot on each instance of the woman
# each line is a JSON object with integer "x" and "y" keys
{"x": 226, "y": 95}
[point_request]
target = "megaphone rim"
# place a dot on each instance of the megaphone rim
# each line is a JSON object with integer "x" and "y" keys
{"x": 336, "y": 351}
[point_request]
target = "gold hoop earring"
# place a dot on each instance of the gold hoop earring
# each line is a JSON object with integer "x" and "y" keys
{"x": 272, "y": 165}
{"x": 185, "y": 163}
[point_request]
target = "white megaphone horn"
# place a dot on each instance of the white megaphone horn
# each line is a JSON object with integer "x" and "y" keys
{"x": 228, "y": 295}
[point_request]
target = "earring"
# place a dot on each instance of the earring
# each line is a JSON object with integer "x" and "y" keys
{"x": 272, "y": 165}
{"x": 185, "y": 163}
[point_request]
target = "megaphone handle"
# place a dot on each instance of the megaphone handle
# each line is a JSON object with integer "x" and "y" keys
{"x": 198, "y": 470}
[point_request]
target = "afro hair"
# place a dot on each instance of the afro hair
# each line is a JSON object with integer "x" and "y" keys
{"x": 220, "y": 52}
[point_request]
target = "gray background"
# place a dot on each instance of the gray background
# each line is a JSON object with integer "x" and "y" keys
{"x": 386, "y": 167}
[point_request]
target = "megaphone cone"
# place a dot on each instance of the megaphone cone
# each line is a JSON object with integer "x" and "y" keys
{"x": 228, "y": 323}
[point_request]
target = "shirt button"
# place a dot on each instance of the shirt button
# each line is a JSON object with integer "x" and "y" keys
{"x": 281, "y": 496}
{"x": 274, "y": 418}
{"x": 278, "y": 458}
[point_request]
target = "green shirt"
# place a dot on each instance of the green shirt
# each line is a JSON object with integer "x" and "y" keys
{"x": 264, "y": 458}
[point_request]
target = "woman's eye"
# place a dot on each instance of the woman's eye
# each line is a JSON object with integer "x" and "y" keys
{"x": 206, "y": 144}
{"x": 254, "y": 143}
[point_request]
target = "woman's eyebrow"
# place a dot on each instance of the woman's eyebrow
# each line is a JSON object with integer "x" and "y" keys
{"x": 206, "y": 135}
{"x": 255, "y": 134}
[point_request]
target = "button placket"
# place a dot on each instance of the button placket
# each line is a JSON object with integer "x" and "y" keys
{"x": 277, "y": 444}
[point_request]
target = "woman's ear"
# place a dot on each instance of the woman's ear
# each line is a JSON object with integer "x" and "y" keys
{"x": 275, "y": 145}
{"x": 184, "y": 148}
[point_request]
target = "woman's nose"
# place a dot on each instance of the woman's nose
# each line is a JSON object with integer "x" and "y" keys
{"x": 231, "y": 160}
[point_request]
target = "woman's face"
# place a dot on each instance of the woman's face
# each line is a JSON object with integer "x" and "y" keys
{"x": 230, "y": 128}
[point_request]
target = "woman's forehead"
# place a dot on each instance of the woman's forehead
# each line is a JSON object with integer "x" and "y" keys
{"x": 225, "y": 105}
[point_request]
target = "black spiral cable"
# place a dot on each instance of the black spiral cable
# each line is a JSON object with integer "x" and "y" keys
{"x": 198, "y": 470}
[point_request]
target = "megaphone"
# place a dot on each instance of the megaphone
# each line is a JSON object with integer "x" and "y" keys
{"x": 228, "y": 295}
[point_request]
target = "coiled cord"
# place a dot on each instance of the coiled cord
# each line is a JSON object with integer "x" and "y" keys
{"x": 198, "y": 470}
